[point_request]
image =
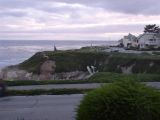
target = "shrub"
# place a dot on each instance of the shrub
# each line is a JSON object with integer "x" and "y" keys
{"x": 107, "y": 77}
{"x": 125, "y": 100}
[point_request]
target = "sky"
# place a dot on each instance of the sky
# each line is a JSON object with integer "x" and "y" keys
{"x": 75, "y": 19}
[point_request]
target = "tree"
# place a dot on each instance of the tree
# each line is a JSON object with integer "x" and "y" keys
{"x": 152, "y": 29}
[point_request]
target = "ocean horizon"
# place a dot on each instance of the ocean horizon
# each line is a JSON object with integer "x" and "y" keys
{"x": 16, "y": 51}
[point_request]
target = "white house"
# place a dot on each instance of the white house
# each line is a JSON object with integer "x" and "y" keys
{"x": 129, "y": 41}
{"x": 149, "y": 41}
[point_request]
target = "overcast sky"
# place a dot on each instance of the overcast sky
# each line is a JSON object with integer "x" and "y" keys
{"x": 75, "y": 19}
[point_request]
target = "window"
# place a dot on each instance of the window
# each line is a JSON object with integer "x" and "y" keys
{"x": 152, "y": 40}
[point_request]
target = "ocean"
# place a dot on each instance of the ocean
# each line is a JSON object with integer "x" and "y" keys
{"x": 16, "y": 51}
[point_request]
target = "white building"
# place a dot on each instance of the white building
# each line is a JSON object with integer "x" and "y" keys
{"x": 129, "y": 41}
{"x": 149, "y": 41}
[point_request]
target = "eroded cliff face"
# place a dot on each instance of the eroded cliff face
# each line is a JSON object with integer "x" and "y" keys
{"x": 16, "y": 74}
{"x": 47, "y": 72}
{"x": 73, "y": 65}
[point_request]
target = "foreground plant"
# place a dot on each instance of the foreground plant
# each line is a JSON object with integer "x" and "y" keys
{"x": 125, "y": 100}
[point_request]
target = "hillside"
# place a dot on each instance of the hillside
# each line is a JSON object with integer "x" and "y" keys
{"x": 68, "y": 61}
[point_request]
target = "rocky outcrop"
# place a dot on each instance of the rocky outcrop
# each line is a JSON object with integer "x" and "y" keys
{"x": 47, "y": 70}
{"x": 127, "y": 69}
{"x": 15, "y": 74}
{"x": 76, "y": 75}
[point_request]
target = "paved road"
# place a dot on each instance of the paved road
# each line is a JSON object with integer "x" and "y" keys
{"x": 153, "y": 84}
{"x": 56, "y": 86}
{"x": 44, "y": 107}
{"x": 78, "y": 86}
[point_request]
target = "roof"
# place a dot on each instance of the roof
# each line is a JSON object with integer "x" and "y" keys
{"x": 149, "y": 35}
{"x": 130, "y": 37}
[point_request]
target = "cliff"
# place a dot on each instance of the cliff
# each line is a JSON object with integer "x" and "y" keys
{"x": 69, "y": 61}
{"x": 73, "y": 64}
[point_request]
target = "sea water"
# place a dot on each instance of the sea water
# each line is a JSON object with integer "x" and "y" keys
{"x": 16, "y": 51}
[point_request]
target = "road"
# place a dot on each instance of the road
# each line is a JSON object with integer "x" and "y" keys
{"x": 44, "y": 107}
{"x": 70, "y": 86}
{"x": 56, "y": 86}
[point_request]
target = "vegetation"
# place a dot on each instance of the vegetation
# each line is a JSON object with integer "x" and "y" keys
{"x": 101, "y": 77}
{"x": 156, "y": 53}
{"x": 104, "y": 77}
{"x": 43, "y": 82}
{"x": 125, "y": 100}
{"x": 68, "y": 61}
{"x": 152, "y": 29}
{"x": 46, "y": 92}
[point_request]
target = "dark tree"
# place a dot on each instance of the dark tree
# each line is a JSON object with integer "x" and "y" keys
{"x": 152, "y": 29}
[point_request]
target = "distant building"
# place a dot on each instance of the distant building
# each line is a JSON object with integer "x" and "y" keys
{"x": 129, "y": 41}
{"x": 149, "y": 41}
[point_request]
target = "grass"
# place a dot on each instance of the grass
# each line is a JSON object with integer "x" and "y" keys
{"x": 106, "y": 77}
{"x": 46, "y": 92}
{"x": 68, "y": 61}
{"x": 101, "y": 77}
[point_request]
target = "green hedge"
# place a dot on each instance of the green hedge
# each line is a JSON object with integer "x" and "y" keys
{"x": 125, "y": 100}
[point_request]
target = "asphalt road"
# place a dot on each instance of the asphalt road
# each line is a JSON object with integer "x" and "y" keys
{"x": 44, "y": 107}
{"x": 69, "y": 86}
{"x": 57, "y": 86}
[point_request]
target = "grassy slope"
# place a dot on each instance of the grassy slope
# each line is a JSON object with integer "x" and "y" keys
{"x": 67, "y": 61}
{"x": 103, "y": 77}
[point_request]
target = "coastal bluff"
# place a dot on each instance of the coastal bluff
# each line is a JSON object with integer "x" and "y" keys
{"x": 72, "y": 64}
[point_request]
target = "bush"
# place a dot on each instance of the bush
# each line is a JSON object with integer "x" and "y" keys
{"x": 107, "y": 77}
{"x": 125, "y": 100}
